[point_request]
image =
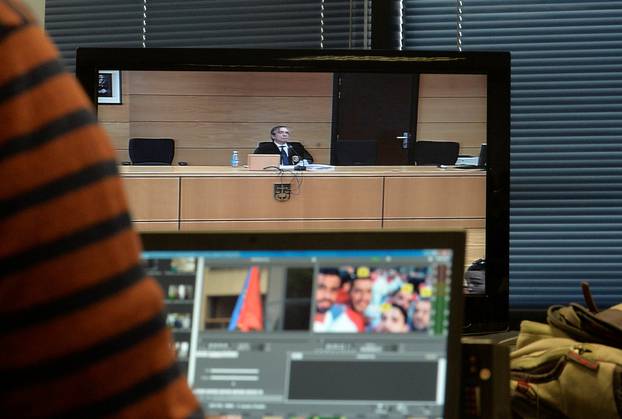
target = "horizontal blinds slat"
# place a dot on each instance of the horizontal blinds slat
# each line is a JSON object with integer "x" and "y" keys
{"x": 581, "y": 109}
{"x": 429, "y": 25}
{"x": 253, "y": 24}
{"x": 74, "y": 23}
{"x": 206, "y": 23}
{"x": 338, "y": 17}
{"x": 235, "y": 23}
{"x": 566, "y": 131}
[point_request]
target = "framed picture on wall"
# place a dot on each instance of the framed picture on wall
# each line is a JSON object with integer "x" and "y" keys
{"x": 109, "y": 87}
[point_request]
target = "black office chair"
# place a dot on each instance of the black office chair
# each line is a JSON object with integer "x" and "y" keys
{"x": 152, "y": 151}
{"x": 434, "y": 153}
{"x": 355, "y": 153}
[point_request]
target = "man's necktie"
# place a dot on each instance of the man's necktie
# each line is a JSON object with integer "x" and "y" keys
{"x": 284, "y": 157}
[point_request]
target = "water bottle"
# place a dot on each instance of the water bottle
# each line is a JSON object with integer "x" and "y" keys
{"x": 234, "y": 159}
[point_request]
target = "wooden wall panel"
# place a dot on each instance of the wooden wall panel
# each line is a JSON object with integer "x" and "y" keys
{"x": 471, "y": 135}
{"x": 119, "y": 133}
{"x": 114, "y": 113}
{"x": 232, "y": 83}
{"x": 115, "y": 119}
{"x": 209, "y": 114}
{"x": 231, "y": 134}
{"x": 453, "y": 107}
{"x": 229, "y": 108}
{"x": 441, "y": 110}
{"x": 153, "y": 199}
{"x": 452, "y": 85}
{"x": 435, "y": 197}
{"x": 321, "y": 197}
{"x": 476, "y": 245}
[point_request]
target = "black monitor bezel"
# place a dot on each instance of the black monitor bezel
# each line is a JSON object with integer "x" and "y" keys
{"x": 484, "y": 313}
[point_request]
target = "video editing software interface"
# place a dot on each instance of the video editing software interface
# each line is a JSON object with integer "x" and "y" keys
{"x": 312, "y": 333}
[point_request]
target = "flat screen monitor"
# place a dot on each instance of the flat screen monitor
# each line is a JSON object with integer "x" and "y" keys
{"x": 211, "y": 101}
{"x": 293, "y": 325}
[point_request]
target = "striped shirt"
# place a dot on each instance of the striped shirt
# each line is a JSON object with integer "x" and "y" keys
{"x": 81, "y": 328}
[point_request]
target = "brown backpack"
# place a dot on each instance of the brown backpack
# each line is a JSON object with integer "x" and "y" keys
{"x": 570, "y": 367}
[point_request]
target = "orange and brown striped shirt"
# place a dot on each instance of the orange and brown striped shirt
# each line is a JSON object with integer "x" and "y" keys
{"x": 81, "y": 329}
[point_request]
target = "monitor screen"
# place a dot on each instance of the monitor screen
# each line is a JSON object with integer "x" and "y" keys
{"x": 213, "y": 101}
{"x": 300, "y": 325}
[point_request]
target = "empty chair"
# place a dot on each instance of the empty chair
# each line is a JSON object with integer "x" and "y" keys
{"x": 433, "y": 153}
{"x": 152, "y": 151}
{"x": 355, "y": 153}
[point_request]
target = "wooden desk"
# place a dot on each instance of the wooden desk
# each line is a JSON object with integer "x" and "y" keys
{"x": 207, "y": 198}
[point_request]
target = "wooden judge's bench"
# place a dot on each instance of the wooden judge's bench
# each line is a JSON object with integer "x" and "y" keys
{"x": 208, "y": 198}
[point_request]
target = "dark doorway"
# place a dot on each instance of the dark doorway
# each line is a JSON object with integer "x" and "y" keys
{"x": 380, "y": 107}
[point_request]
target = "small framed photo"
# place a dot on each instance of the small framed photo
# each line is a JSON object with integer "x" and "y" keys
{"x": 109, "y": 87}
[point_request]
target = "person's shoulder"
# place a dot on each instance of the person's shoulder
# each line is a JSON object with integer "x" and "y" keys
{"x": 264, "y": 146}
{"x": 357, "y": 318}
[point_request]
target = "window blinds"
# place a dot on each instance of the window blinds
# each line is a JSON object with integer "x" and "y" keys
{"x": 86, "y": 23}
{"x": 566, "y": 135}
{"x": 346, "y": 24}
{"x": 207, "y": 23}
{"x": 256, "y": 23}
{"x": 233, "y": 23}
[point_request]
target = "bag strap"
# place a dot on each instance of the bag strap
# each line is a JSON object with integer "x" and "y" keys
{"x": 566, "y": 320}
{"x": 587, "y": 296}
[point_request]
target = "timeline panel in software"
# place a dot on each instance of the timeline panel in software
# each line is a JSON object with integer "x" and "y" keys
{"x": 297, "y": 334}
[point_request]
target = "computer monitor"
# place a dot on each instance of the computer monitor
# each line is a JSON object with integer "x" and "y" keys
{"x": 282, "y": 325}
{"x": 218, "y": 97}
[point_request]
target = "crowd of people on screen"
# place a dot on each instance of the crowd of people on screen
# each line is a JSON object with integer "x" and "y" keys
{"x": 367, "y": 300}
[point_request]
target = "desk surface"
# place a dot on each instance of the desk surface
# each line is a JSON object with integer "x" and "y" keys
{"x": 341, "y": 171}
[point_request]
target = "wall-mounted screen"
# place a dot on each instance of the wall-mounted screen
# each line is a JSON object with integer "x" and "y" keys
{"x": 379, "y": 103}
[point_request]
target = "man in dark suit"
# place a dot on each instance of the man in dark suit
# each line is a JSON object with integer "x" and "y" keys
{"x": 291, "y": 152}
